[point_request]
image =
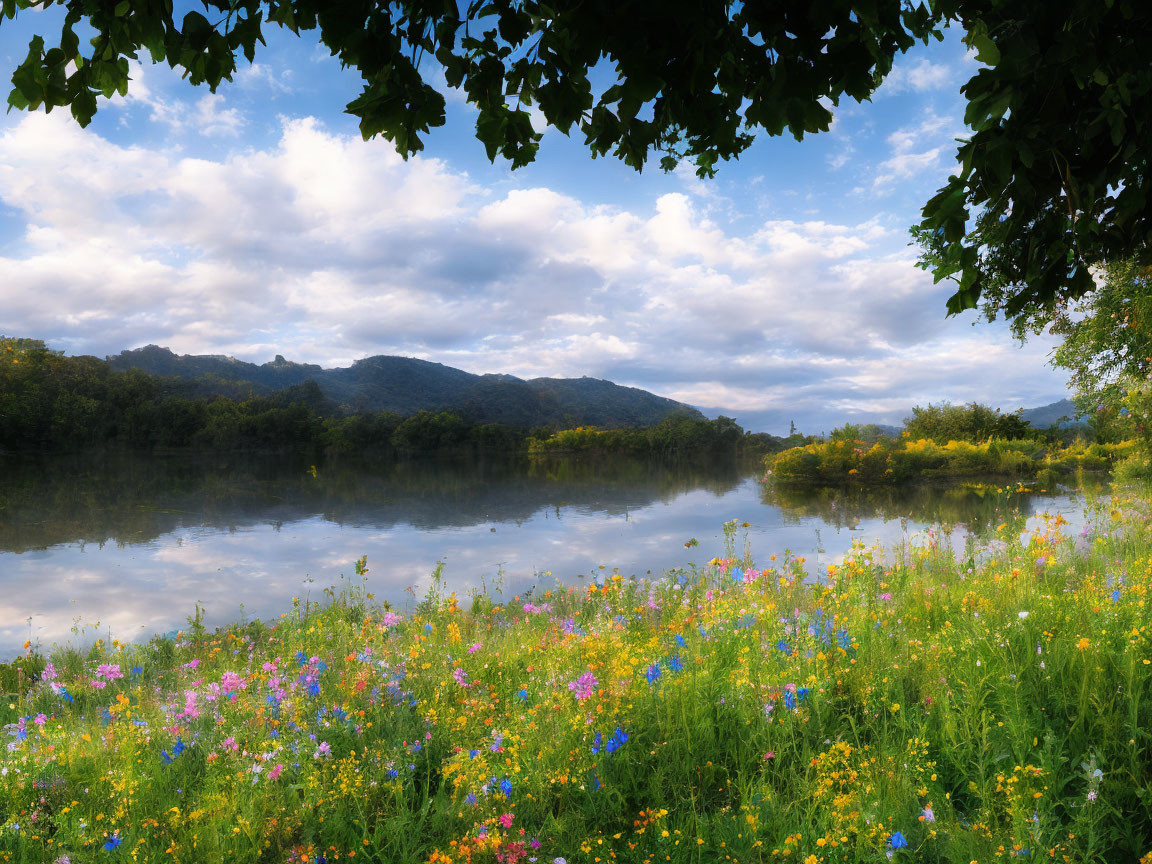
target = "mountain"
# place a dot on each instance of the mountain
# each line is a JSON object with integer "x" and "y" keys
{"x": 406, "y": 385}
{"x": 1061, "y": 413}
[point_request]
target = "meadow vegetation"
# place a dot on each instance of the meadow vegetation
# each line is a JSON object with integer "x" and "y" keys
{"x": 981, "y": 701}
{"x": 956, "y": 441}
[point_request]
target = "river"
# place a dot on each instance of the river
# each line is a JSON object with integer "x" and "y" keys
{"x": 126, "y": 546}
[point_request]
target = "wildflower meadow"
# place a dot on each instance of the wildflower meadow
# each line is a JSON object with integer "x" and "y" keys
{"x": 940, "y": 702}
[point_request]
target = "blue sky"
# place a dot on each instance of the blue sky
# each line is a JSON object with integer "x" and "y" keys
{"x": 256, "y": 222}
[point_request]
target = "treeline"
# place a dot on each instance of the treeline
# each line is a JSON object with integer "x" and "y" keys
{"x": 50, "y": 402}
{"x": 673, "y": 436}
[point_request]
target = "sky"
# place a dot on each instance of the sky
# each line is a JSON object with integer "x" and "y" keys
{"x": 255, "y": 221}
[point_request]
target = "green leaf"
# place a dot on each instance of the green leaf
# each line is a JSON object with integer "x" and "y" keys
{"x": 986, "y": 50}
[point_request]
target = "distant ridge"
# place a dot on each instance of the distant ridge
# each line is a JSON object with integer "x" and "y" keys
{"x": 406, "y": 385}
{"x": 1062, "y": 413}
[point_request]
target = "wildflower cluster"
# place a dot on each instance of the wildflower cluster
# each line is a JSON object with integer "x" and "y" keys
{"x": 928, "y": 706}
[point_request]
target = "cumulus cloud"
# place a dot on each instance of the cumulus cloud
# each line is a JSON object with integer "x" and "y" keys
{"x": 325, "y": 249}
{"x": 921, "y": 77}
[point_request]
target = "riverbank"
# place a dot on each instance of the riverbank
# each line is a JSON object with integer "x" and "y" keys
{"x": 937, "y": 709}
{"x": 891, "y": 461}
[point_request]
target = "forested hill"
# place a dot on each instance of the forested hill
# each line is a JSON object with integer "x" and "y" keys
{"x": 405, "y": 385}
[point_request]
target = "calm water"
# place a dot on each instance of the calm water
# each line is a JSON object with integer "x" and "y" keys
{"x": 127, "y": 545}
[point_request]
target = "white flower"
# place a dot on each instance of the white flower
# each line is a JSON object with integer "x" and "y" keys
{"x": 1022, "y": 615}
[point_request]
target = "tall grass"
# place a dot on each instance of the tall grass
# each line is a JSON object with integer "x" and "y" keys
{"x": 921, "y": 706}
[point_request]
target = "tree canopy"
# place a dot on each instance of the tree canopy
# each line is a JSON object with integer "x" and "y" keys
{"x": 1051, "y": 182}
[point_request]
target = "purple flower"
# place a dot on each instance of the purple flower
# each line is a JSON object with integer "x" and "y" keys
{"x": 583, "y": 686}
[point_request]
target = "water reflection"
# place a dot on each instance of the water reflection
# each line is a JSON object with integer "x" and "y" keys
{"x": 132, "y": 499}
{"x": 977, "y": 507}
{"x": 133, "y": 543}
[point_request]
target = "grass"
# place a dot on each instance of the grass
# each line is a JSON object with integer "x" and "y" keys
{"x": 929, "y": 706}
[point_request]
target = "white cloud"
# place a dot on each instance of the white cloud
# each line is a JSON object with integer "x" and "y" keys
{"x": 915, "y": 150}
{"x": 325, "y": 248}
{"x": 258, "y": 76}
{"x": 920, "y": 77}
{"x": 206, "y": 115}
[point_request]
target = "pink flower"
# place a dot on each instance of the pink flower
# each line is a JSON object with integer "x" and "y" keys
{"x": 474, "y": 647}
{"x": 390, "y": 618}
{"x": 583, "y": 686}
{"x": 40, "y": 719}
{"x": 506, "y": 820}
{"x": 229, "y": 743}
{"x": 192, "y": 664}
{"x": 274, "y": 774}
{"x": 99, "y": 685}
{"x": 461, "y": 677}
{"x": 49, "y": 673}
{"x": 109, "y": 671}
{"x": 771, "y": 754}
{"x": 230, "y": 682}
{"x": 190, "y": 709}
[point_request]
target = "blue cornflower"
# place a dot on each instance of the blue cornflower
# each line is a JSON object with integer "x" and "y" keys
{"x": 681, "y": 641}
{"x": 471, "y": 799}
{"x": 596, "y": 743}
{"x": 789, "y": 700}
{"x": 301, "y": 657}
{"x": 844, "y": 640}
{"x": 427, "y": 628}
{"x": 619, "y": 739}
{"x": 472, "y": 754}
{"x": 782, "y": 645}
{"x": 179, "y": 746}
{"x": 802, "y": 694}
{"x": 1116, "y": 596}
{"x": 897, "y": 841}
{"x": 675, "y": 663}
{"x": 595, "y": 782}
{"x": 112, "y": 843}
{"x": 392, "y": 773}
{"x": 137, "y": 670}
{"x": 314, "y": 688}
{"x": 653, "y": 673}
{"x": 522, "y": 695}
{"x": 506, "y": 787}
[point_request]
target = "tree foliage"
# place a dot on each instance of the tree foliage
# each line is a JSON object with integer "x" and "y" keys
{"x": 1053, "y": 179}
{"x": 691, "y": 79}
{"x": 51, "y": 402}
{"x": 1051, "y": 182}
{"x": 1107, "y": 338}
{"x": 972, "y": 423}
